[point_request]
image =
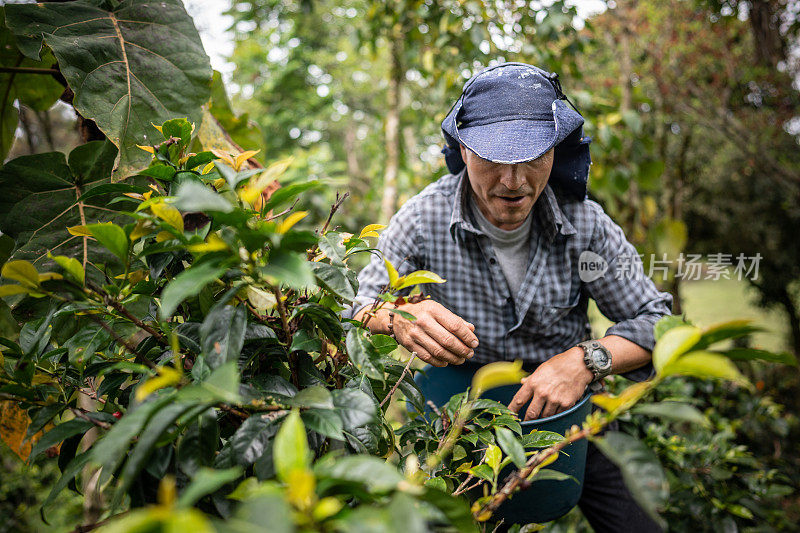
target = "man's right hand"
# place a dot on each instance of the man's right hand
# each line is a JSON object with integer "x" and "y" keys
{"x": 438, "y": 336}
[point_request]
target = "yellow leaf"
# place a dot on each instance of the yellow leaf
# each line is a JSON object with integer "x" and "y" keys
{"x": 276, "y": 169}
{"x": 166, "y": 491}
{"x": 208, "y": 168}
{"x": 225, "y": 157}
{"x": 47, "y": 276}
{"x": 257, "y": 184}
{"x": 158, "y": 128}
{"x": 21, "y": 271}
{"x": 300, "y": 488}
{"x": 623, "y": 402}
{"x": 417, "y": 278}
{"x": 148, "y": 149}
{"x": 167, "y": 376}
{"x": 80, "y": 231}
{"x": 135, "y": 276}
{"x": 134, "y": 195}
{"x": 168, "y": 214}
{"x": 141, "y": 229}
{"x": 393, "y": 275}
{"x": 11, "y": 290}
{"x": 493, "y": 458}
{"x": 476, "y": 507}
{"x": 371, "y": 231}
{"x": 290, "y": 221}
{"x": 213, "y": 244}
{"x": 674, "y": 343}
{"x": 147, "y": 195}
{"x": 496, "y": 375}
{"x": 244, "y": 156}
{"x": 326, "y": 508}
{"x": 164, "y": 236}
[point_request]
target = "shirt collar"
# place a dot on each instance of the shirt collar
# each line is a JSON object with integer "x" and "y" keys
{"x": 546, "y": 208}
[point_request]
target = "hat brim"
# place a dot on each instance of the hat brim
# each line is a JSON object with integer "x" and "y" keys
{"x": 510, "y": 141}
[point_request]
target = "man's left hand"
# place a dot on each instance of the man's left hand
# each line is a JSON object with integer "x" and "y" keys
{"x": 556, "y": 385}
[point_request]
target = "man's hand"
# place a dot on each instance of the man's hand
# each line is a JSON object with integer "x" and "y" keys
{"x": 437, "y": 335}
{"x": 555, "y": 386}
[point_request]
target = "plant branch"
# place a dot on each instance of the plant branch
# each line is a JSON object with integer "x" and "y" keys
{"x": 127, "y": 345}
{"x": 29, "y": 70}
{"x": 127, "y": 314}
{"x": 80, "y": 414}
{"x": 400, "y": 379}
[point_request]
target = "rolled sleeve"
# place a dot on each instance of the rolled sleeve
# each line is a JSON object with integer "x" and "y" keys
{"x": 624, "y": 294}
{"x": 402, "y": 244}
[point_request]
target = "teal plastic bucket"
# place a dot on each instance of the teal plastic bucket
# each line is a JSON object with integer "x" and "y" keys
{"x": 543, "y": 501}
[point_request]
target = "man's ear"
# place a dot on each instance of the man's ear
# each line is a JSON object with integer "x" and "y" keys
{"x": 463, "y": 151}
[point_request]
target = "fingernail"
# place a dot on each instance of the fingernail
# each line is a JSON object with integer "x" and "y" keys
{"x": 471, "y": 353}
{"x": 474, "y": 343}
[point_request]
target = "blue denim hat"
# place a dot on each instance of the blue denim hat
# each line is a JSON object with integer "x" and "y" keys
{"x": 512, "y": 113}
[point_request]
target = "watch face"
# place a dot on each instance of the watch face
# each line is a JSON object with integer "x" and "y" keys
{"x": 601, "y": 358}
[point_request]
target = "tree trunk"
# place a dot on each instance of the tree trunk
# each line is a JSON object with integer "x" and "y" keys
{"x": 392, "y": 138}
{"x": 770, "y": 47}
{"x": 793, "y": 314}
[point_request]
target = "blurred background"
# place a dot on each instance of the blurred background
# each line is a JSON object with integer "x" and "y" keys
{"x": 694, "y": 111}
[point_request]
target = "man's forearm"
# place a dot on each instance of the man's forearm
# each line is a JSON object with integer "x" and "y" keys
{"x": 379, "y": 323}
{"x": 625, "y": 355}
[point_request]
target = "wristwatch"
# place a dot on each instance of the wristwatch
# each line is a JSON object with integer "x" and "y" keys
{"x": 597, "y": 359}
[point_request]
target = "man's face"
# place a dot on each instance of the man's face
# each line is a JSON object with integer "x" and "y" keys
{"x": 505, "y": 194}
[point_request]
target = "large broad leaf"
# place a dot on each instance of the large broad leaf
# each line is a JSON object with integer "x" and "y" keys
{"x": 40, "y": 200}
{"x": 290, "y": 450}
{"x": 222, "y": 334}
{"x": 36, "y": 91}
{"x": 138, "y": 63}
{"x": 640, "y": 468}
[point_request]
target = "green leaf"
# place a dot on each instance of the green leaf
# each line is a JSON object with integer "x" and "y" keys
{"x": 666, "y": 323}
{"x": 541, "y": 439}
{"x": 289, "y": 268}
{"x": 493, "y": 457}
{"x": 673, "y": 344}
{"x": 511, "y": 446}
{"x": 548, "y": 474}
{"x": 726, "y": 330}
{"x": 355, "y": 407}
{"x": 288, "y": 193}
{"x": 193, "y": 196}
{"x": 222, "y": 334}
{"x": 68, "y": 474}
{"x": 681, "y": 412}
{"x": 363, "y": 354}
{"x": 749, "y": 354}
{"x": 323, "y": 318}
{"x": 145, "y": 65}
{"x": 186, "y": 284}
{"x": 331, "y": 245}
{"x": 41, "y": 199}
{"x": 161, "y": 421}
{"x": 455, "y": 509}
{"x": 71, "y": 266}
{"x": 483, "y": 471}
{"x": 313, "y": 396}
{"x": 334, "y": 279}
{"x": 375, "y": 474}
{"x": 112, "y": 237}
{"x": 324, "y": 422}
{"x": 704, "y": 364}
{"x": 253, "y": 438}
{"x": 34, "y": 90}
{"x": 206, "y": 481}
{"x": 640, "y": 468}
{"x": 290, "y": 451}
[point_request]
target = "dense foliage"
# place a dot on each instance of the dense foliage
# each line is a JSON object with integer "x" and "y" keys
{"x": 172, "y": 326}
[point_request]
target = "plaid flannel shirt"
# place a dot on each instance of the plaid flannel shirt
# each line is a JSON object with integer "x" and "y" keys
{"x": 432, "y": 231}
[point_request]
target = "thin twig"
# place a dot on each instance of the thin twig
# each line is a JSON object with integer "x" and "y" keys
{"x": 127, "y": 314}
{"x": 402, "y": 375}
{"x": 128, "y": 346}
{"x": 285, "y": 211}
{"x": 29, "y": 70}
{"x": 84, "y": 416}
{"x": 339, "y": 200}
{"x": 461, "y": 488}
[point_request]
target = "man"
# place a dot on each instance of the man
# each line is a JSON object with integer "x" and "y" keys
{"x": 511, "y": 231}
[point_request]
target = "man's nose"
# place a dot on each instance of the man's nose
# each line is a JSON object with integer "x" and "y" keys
{"x": 512, "y": 177}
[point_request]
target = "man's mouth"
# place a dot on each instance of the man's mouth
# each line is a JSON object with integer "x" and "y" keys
{"x": 512, "y": 200}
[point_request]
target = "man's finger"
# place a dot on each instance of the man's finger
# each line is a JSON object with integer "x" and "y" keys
{"x": 535, "y": 408}
{"x": 522, "y": 397}
{"x": 423, "y": 354}
{"x": 436, "y": 350}
{"x": 550, "y": 409}
{"x": 447, "y": 339}
{"x": 457, "y": 326}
